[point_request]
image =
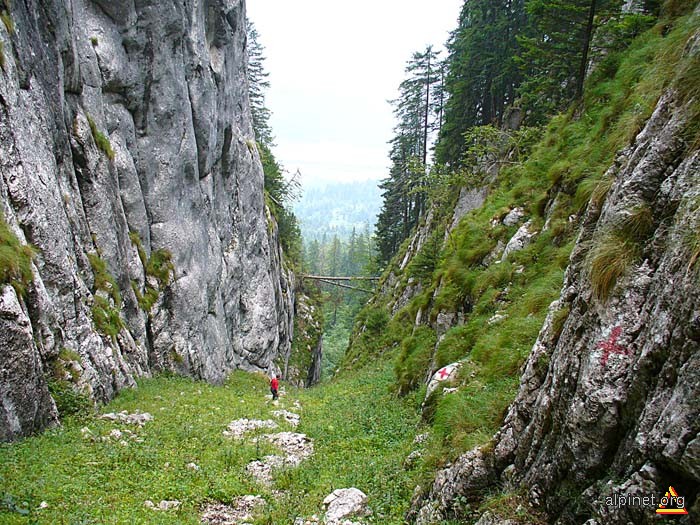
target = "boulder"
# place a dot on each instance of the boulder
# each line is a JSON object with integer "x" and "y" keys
{"x": 344, "y": 503}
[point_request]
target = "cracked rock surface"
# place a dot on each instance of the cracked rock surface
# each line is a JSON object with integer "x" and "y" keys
{"x": 125, "y": 123}
{"x": 608, "y": 405}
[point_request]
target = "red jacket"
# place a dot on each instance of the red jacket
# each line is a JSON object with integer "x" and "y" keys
{"x": 274, "y": 384}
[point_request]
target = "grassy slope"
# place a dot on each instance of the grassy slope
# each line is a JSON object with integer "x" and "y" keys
{"x": 563, "y": 171}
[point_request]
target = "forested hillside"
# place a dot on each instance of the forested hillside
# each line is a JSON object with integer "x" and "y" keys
{"x": 338, "y": 209}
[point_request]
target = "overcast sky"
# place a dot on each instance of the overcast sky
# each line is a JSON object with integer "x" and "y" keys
{"x": 333, "y": 66}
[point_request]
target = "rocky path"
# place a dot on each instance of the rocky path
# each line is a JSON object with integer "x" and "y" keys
{"x": 293, "y": 448}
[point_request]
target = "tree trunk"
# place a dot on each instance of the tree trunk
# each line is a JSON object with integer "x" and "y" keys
{"x": 586, "y": 46}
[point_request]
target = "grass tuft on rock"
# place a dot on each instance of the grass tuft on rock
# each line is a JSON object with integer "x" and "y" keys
{"x": 101, "y": 139}
{"x": 15, "y": 259}
{"x": 103, "y": 279}
{"x": 608, "y": 260}
{"x": 159, "y": 266}
{"x": 7, "y": 20}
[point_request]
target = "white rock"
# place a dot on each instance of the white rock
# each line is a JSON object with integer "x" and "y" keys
{"x": 240, "y": 510}
{"x": 421, "y": 438}
{"x": 496, "y": 318}
{"x": 193, "y": 466}
{"x": 236, "y": 429}
{"x": 488, "y": 518}
{"x": 296, "y": 448}
{"x": 137, "y": 418}
{"x": 344, "y": 503}
{"x": 445, "y": 374}
{"x": 520, "y": 240}
{"x": 290, "y": 417}
{"x": 514, "y": 216}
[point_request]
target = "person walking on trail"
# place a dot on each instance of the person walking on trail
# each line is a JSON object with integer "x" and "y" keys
{"x": 274, "y": 387}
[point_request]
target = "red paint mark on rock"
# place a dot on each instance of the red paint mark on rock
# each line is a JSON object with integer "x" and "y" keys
{"x": 611, "y": 347}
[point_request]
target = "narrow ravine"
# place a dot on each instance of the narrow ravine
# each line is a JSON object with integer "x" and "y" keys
{"x": 185, "y": 451}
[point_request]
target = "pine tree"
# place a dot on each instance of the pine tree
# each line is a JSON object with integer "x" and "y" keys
{"x": 482, "y": 75}
{"x": 556, "y": 51}
{"x": 418, "y": 115}
{"x": 279, "y": 191}
{"x": 257, "y": 85}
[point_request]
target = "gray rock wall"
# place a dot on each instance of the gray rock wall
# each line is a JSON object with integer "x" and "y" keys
{"x": 165, "y": 83}
{"x": 608, "y": 398}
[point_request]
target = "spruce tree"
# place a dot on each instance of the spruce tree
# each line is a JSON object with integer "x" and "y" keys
{"x": 418, "y": 116}
{"x": 555, "y": 52}
{"x": 482, "y": 75}
{"x": 257, "y": 85}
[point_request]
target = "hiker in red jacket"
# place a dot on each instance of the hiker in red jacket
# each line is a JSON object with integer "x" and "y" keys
{"x": 274, "y": 386}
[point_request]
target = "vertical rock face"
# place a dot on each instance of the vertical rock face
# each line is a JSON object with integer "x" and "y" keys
{"x": 608, "y": 399}
{"x": 125, "y": 135}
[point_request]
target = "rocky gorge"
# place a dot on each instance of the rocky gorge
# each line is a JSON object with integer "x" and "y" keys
{"x": 128, "y": 163}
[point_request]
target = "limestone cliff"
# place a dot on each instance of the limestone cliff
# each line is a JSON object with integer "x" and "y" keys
{"x": 127, "y": 158}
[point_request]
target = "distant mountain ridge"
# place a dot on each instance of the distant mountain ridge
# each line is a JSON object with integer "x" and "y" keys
{"x": 335, "y": 209}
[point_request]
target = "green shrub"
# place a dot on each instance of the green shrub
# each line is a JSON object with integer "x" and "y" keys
{"x": 148, "y": 298}
{"x": 470, "y": 416}
{"x": 58, "y": 365}
{"x": 375, "y": 320}
{"x": 103, "y": 279}
{"x": 15, "y": 260}
{"x": 457, "y": 343}
{"x": 2, "y": 56}
{"x": 100, "y": 139}
{"x": 426, "y": 260}
{"x": 160, "y": 265}
{"x": 413, "y": 362}
{"x": 69, "y": 401}
{"x": 136, "y": 241}
{"x": 512, "y": 507}
{"x": 106, "y": 318}
{"x": 495, "y": 276}
{"x": 373, "y": 334}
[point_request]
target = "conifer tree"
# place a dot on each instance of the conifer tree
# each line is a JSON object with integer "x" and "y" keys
{"x": 482, "y": 75}
{"x": 280, "y": 192}
{"x": 555, "y": 52}
{"x": 418, "y": 116}
{"x": 257, "y": 85}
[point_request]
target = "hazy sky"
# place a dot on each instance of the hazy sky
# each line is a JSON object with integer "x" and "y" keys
{"x": 333, "y": 66}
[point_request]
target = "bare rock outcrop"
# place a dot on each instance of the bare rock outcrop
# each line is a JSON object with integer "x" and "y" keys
{"x": 127, "y": 158}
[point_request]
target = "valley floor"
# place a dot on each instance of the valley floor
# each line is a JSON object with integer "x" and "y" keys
{"x": 93, "y": 470}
